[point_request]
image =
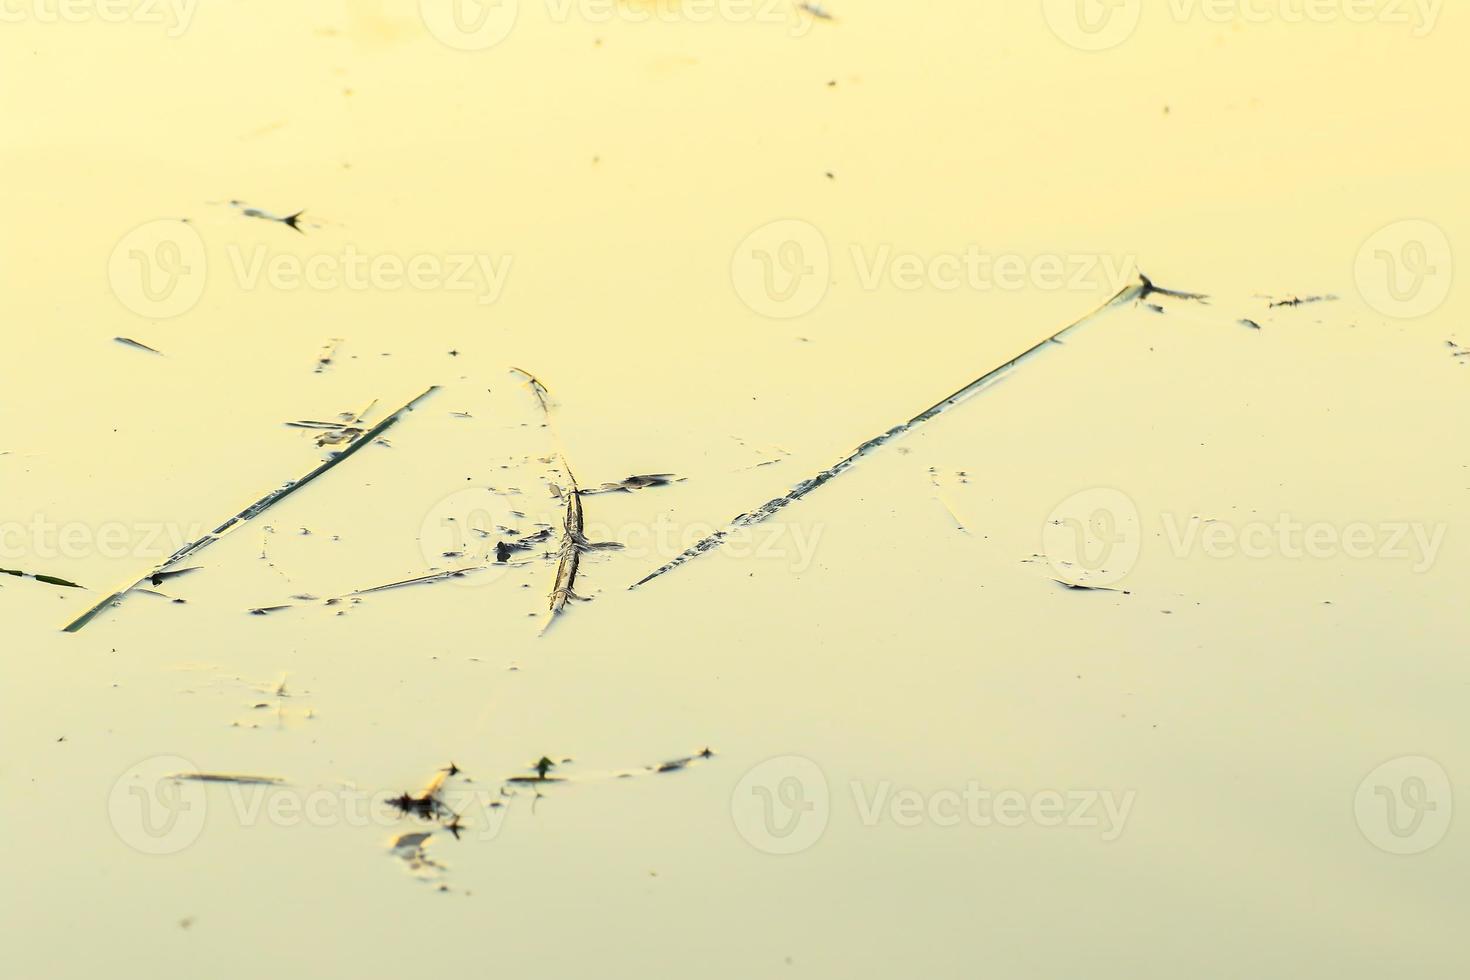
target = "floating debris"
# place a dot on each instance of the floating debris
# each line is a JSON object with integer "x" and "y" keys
{"x": 1128, "y": 294}
{"x": 636, "y": 483}
{"x": 674, "y": 765}
{"x": 542, "y": 767}
{"x": 574, "y": 541}
{"x": 1246, "y": 322}
{"x": 1148, "y": 288}
{"x": 1302, "y": 300}
{"x": 816, "y": 10}
{"x": 159, "y": 578}
{"x": 225, "y": 777}
{"x": 328, "y": 354}
{"x": 250, "y": 513}
{"x": 1080, "y": 587}
{"x": 45, "y": 579}
{"x": 136, "y": 345}
{"x": 420, "y": 580}
{"x": 292, "y": 221}
{"x": 428, "y": 804}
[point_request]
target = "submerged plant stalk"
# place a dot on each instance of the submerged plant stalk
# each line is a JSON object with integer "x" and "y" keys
{"x": 249, "y": 513}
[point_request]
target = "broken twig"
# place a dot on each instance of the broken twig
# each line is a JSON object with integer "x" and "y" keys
{"x": 249, "y": 513}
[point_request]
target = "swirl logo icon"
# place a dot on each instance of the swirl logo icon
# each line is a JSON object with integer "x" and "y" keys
{"x": 782, "y": 805}
{"x": 1092, "y": 25}
{"x": 781, "y": 269}
{"x": 1093, "y": 537}
{"x": 152, "y": 811}
{"x": 1405, "y": 269}
{"x": 1405, "y": 805}
{"x": 470, "y": 25}
{"x": 159, "y": 269}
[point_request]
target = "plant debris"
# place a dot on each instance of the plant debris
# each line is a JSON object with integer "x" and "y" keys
{"x": 1080, "y": 587}
{"x": 1302, "y": 300}
{"x": 574, "y": 541}
{"x": 632, "y": 483}
{"x": 328, "y": 353}
{"x": 225, "y": 777}
{"x": 46, "y": 579}
{"x": 250, "y": 513}
{"x": 292, "y": 221}
{"x": 130, "y": 342}
{"x": 1144, "y": 288}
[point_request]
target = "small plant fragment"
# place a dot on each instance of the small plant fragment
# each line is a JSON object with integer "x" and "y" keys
{"x": 674, "y": 765}
{"x": 1079, "y": 587}
{"x": 292, "y": 221}
{"x": 46, "y": 579}
{"x": 329, "y": 352}
{"x": 542, "y": 768}
{"x": 130, "y": 342}
{"x": 225, "y": 777}
{"x": 250, "y": 513}
{"x": 635, "y": 483}
{"x": 1303, "y": 300}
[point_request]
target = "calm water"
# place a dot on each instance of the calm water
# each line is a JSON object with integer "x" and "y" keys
{"x": 735, "y": 242}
